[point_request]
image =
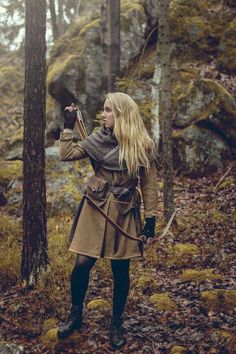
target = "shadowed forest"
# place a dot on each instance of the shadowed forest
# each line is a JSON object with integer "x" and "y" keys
{"x": 182, "y": 296}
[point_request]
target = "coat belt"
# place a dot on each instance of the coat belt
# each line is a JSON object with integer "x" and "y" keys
{"x": 111, "y": 221}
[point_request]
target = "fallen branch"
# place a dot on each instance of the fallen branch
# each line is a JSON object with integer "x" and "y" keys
{"x": 166, "y": 229}
{"x": 221, "y": 179}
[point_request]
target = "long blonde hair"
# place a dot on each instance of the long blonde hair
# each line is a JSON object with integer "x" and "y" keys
{"x": 136, "y": 146}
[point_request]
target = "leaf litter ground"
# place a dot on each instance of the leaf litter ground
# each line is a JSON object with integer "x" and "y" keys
{"x": 207, "y": 219}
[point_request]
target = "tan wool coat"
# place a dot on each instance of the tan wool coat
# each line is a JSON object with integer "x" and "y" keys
{"x": 92, "y": 235}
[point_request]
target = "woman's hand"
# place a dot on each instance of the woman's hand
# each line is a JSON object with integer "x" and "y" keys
{"x": 148, "y": 232}
{"x": 70, "y": 114}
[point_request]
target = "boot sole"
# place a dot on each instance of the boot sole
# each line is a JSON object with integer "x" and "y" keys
{"x": 62, "y": 336}
{"x": 116, "y": 347}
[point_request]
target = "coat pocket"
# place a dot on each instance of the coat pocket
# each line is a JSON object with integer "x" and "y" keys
{"x": 97, "y": 187}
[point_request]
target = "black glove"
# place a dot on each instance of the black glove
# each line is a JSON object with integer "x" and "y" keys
{"x": 69, "y": 119}
{"x": 149, "y": 227}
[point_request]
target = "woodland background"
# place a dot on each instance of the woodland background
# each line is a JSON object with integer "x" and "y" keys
{"x": 183, "y": 294}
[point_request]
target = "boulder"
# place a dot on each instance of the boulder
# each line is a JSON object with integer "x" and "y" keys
{"x": 187, "y": 25}
{"x": 208, "y": 104}
{"x": 75, "y": 72}
{"x": 199, "y": 151}
{"x": 65, "y": 183}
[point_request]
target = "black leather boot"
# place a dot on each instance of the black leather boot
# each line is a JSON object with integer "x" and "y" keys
{"x": 73, "y": 322}
{"x": 117, "y": 338}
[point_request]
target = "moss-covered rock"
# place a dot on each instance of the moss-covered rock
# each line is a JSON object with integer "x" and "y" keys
{"x": 206, "y": 102}
{"x": 98, "y": 304}
{"x": 200, "y": 275}
{"x": 162, "y": 302}
{"x": 220, "y": 299}
{"x": 177, "y": 349}
{"x": 187, "y": 23}
{"x": 199, "y": 151}
{"x": 146, "y": 282}
{"x": 227, "y": 49}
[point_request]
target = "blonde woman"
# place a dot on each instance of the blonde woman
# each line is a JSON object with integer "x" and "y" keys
{"x": 108, "y": 223}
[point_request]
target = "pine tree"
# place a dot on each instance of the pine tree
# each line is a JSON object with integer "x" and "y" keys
{"x": 34, "y": 251}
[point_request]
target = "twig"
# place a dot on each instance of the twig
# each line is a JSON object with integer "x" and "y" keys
{"x": 221, "y": 179}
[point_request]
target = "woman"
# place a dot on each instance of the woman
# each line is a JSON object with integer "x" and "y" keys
{"x": 107, "y": 224}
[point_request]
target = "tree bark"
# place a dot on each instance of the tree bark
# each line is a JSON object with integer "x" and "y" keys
{"x": 60, "y": 16}
{"x": 113, "y": 24}
{"x": 34, "y": 251}
{"x": 165, "y": 108}
{"x": 55, "y": 31}
{"x": 104, "y": 42}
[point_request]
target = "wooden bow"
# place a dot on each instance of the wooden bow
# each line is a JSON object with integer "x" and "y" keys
{"x": 80, "y": 125}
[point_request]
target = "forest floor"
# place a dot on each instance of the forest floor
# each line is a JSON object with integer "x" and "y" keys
{"x": 197, "y": 320}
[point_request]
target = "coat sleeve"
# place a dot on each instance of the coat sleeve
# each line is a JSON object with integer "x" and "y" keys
{"x": 68, "y": 151}
{"x": 148, "y": 184}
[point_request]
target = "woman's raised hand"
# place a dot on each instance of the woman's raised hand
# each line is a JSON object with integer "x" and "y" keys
{"x": 70, "y": 114}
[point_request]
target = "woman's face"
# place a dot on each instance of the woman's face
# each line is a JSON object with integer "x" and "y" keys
{"x": 107, "y": 115}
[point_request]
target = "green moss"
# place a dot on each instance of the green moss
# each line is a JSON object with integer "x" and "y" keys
{"x": 181, "y": 254}
{"x": 10, "y": 170}
{"x": 182, "y": 249}
{"x": 227, "y": 57}
{"x": 61, "y": 66}
{"x": 10, "y": 227}
{"x": 217, "y": 97}
{"x": 188, "y": 25}
{"x": 91, "y": 25}
{"x": 200, "y": 275}
{"x": 17, "y": 136}
{"x": 10, "y": 240}
{"x": 98, "y": 304}
{"x": 228, "y": 338}
{"x": 50, "y": 339}
{"x": 131, "y": 6}
{"x": 145, "y": 282}
{"x": 162, "y": 302}
{"x": 220, "y": 299}
{"x": 127, "y": 84}
{"x": 177, "y": 349}
{"x": 68, "y": 51}
{"x": 227, "y": 182}
{"x": 49, "y": 324}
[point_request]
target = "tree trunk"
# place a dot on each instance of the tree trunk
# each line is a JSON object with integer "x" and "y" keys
{"x": 60, "y": 16}
{"x": 104, "y": 42}
{"x": 55, "y": 31}
{"x": 34, "y": 251}
{"x": 165, "y": 107}
{"x": 113, "y": 24}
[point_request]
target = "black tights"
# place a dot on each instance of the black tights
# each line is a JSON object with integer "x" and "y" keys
{"x": 80, "y": 280}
